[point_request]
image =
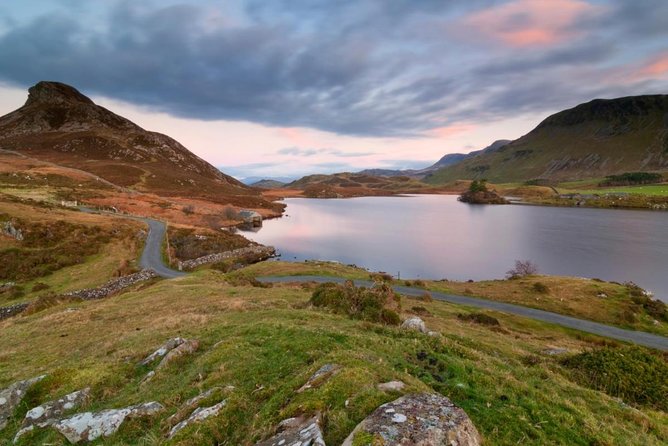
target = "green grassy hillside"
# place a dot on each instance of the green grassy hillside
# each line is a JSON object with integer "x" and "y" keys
{"x": 596, "y": 139}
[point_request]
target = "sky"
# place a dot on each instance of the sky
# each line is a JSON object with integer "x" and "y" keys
{"x": 294, "y": 87}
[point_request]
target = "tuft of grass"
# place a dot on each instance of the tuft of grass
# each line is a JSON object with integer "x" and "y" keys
{"x": 631, "y": 373}
{"x": 540, "y": 287}
{"x": 368, "y": 304}
{"x": 479, "y": 318}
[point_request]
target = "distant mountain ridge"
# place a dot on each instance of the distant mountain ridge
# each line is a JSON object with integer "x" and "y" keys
{"x": 446, "y": 160}
{"x": 599, "y": 138}
{"x": 61, "y": 125}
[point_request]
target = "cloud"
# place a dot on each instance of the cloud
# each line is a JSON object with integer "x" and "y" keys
{"x": 296, "y": 151}
{"x": 526, "y": 23}
{"x": 400, "y": 69}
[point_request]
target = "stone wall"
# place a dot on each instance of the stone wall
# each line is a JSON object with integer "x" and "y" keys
{"x": 259, "y": 253}
{"x": 113, "y": 286}
{"x": 6, "y": 312}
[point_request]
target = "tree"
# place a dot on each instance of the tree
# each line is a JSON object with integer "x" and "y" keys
{"x": 522, "y": 268}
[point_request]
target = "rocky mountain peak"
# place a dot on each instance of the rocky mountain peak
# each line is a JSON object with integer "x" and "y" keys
{"x": 47, "y": 92}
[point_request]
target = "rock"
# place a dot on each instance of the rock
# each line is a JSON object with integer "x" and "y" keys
{"x": 192, "y": 403}
{"x": 392, "y": 386}
{"x": 89, "y": 426}
{"x": 201, "y": 413}
{"x": 12, "y": 397}
{"x": 297, "y": 431}
{"x": 256, "y": 252}
{"x": 10, "y": 230}
{"x": 149, "y": 376}
{"x": 163, "y": 350}
{"x": 187, "y": 347}
{"x": 113, "y": 286}
{"x": 414, "y": 323}
{"x": 554, "y": 351}
{"x": 602, "y": 295}
{"x": 49, "y": 413}
{"x": 12, "y": 310}
{"x": 417, "y": 420}
{"x": 320, "y": 376}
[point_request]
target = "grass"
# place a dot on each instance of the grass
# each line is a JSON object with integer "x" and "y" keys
{"x": 654, "y": 190}
{"x": 267, "y": 342}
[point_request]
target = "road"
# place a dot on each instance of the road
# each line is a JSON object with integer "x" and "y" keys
{"x": 151, "y": 257}
{"x": 637, "y": 337}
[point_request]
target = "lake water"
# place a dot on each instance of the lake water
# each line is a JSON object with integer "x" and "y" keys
{"x": 435, "y": 237}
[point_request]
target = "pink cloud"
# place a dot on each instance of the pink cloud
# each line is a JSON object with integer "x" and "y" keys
{"x": 294, "y": 135}
{"x": 526, "y": 23}
{"x": 450, "y": 130}
{"x": 656, "y": 67}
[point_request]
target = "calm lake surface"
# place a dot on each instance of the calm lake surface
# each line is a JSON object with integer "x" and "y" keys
{"x": 435, "y": 237}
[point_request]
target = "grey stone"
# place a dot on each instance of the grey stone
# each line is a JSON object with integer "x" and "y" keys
{"x": 555, "y": 351}
{"x": 10, "y": 230}
{"x": 49, "y": 413}
{"x": 163, "y": 350}
{"x": 392, "y": 386}
{"x": 299, "y": 431}
{"x": 320, "y": 376}
{"x": 258, "y": 252}
{"x": 12, "y": 397}
{"x": 188, "y": 346}
{"x": 113, "y": 286}
{"x": 12, "y": 310}
{"x": 418, "y": 420}
{"x": 199, "y": 414}
{"x": 89, "y": 426}
{"x": 415, "y": 324}
{"x": 192, "y": 403}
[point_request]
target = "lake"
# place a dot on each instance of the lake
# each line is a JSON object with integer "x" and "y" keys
{"x": 436, "y": 237}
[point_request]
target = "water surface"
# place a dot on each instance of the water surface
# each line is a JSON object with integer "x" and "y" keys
{"x": 435, "y": 237}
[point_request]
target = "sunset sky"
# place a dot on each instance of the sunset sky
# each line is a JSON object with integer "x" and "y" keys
{"x": 290, "y": 87}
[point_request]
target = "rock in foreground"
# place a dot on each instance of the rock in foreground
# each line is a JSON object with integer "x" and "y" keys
{"x": 416, "y": 420}
{"x": 297, "y": 431}
{"x": 12, "y": 397}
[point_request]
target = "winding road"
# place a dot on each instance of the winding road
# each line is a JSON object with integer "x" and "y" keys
{"x": 151, "y": 256}
{"x": 638, "y": 337}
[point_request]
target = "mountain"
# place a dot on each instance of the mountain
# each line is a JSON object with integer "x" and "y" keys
{"x": 268, "y": 184}
{"x": 447, "y": 160}
{"x": 599, "y": 138}
{"x": 250, "y": 181}
{"x": 58, "y": 124}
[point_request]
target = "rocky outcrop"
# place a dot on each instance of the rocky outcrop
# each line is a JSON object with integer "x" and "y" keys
{"x": 12, "y": 310}
{"x": 199, "y": 414}
{"x": 49, "y": 413}
{"x": 258, "y": 253}
{"x": 89, "y": 426}
{"x": 12, "y": 396}
{"x": 320, "y": 376}
{"x": 301, "y": 431}
{"x": 416, "y": 420}
{"x": 187, "y": 347}
{"x": 414, "y": 324}
{"x": 113, "y": 286}
{"x": 163, "y": 350}
{"x": 10, "y": 230}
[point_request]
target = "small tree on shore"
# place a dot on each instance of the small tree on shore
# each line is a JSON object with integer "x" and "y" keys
{"x": 478, "y": 186}
{"x": 522, "y": 268}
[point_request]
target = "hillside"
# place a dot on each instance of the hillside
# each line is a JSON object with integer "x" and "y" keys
{"x": 596, "y": 139}
{"x": 60, "y": 125}
{"x": 340, "y": 185}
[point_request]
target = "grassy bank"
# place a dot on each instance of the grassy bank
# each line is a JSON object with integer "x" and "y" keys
{"x": 266, "y": 342}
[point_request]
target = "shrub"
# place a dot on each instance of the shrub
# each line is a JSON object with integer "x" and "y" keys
{"x": 39, "y": 286}
{"x": 643, "y": 299}
{"x": 631, "y": 373}
{"x": 540, "y": 287}
{"x": 375, "y": 304}
{"x": 522, "y": 268}
{"x": 479, "y": 318}
{"x": 188, "y": 210}
{"x": 381, "y": 277}
{"x": 422, "y": 311}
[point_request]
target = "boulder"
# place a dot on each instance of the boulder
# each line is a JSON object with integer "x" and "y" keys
{"x": 192, "y": 403}
{"x": 200, "y": 414}
{"x": 416, "y": 420}
{"x": 301, "y": 431}
{"x": 187, "y": 347}
{"x": 162, "y": 350}
{"x": 48, "y": 413}
{"x": 320, "y": 376}
{"x": 415, "y": 324}
{"x": 391, "y": 386}
{"x": 89, "y": 426}
{"x": 12, "y": 397}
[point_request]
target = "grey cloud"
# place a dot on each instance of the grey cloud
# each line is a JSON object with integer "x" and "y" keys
{"x": 370, "y": 68}
{"x": 296, "y": 151}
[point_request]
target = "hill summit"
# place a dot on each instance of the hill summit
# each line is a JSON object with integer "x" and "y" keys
{"x": 599, "y": 138}
{"x": 59, "y": 124}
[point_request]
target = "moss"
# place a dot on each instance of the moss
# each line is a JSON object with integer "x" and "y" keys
{"x": 369, "y": 304}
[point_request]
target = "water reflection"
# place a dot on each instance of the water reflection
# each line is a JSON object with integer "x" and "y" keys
{"x": 437, "y": 237}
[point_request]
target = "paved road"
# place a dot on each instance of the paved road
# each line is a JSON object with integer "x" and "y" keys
{"x": 638, "y": 337}
{"x": 151, "y": 257}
